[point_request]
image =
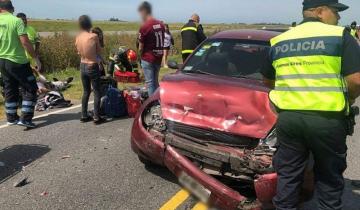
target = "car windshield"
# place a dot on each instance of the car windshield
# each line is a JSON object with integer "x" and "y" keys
{"x": 229, "y": 57}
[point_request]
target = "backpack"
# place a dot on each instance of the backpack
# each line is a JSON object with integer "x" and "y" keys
{"x": 105, "y": 83}
{"x": 114, "y": 103}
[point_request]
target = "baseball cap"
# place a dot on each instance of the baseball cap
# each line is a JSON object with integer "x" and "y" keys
{"x": 6, "y": 4}
{"x": 308, "y": 4}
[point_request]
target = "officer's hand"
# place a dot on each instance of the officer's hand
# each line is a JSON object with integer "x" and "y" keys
{"x": 38, "y": 64}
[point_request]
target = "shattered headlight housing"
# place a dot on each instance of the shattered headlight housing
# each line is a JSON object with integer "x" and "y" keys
{"x": 153, "y": 118}
{"x": 270, "y": 141}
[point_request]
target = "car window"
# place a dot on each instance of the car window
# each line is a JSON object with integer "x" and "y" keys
{"x": 232, "y": 58}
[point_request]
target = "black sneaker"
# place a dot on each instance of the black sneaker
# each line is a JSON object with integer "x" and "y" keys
{"x": 99, "y": 121}
{"x": 11, "y": 123}
{"x": 27, "y": 124}
{"x": 86, "y": 119}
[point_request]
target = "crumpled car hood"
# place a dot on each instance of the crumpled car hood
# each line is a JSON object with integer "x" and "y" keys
{"x": 236, "y": 106}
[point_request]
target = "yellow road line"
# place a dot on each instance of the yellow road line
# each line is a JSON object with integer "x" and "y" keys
{"x": 176, "y": 200}
{"x": 200, "y": 206}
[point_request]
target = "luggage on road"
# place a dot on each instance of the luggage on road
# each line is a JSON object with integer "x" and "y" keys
{"x": 113, "y": 105}
{"x": 133, "y": 102}
{"x": 105, "y": 83}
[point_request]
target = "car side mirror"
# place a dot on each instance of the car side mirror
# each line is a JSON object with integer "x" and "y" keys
{"x": 173, "y": 65}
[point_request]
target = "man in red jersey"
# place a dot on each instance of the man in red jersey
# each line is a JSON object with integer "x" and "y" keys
{"x": 151, "y": 44}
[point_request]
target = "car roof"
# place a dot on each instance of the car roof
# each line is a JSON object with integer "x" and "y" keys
{"x": 249, "y": 34}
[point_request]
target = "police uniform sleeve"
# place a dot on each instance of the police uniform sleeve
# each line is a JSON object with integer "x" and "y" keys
{"x": 267, "y": 69}
{"x": 20, "y": 27}
{"x": 351, "y": 55}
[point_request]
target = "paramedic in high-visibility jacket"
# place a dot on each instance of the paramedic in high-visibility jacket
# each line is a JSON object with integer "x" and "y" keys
{"x": 192, "y": 34}
{"x": 15, "y": 67}
{"x": 314, "y": 73}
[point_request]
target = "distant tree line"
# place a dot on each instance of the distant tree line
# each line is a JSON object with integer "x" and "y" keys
{"x": 114, "y": 19}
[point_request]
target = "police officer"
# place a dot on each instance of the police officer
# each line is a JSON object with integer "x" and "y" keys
{"x": 192, "y": 34}
{"x": 314, "y": 70}
{"x": 15, "y": 68}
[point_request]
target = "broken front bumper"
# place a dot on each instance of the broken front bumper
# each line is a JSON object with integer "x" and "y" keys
{"x": 153, "y": 147}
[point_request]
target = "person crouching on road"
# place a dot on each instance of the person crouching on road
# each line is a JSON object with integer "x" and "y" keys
{"x": 15, "y": 67}
{"x": 313, "y": 89}
{"x": 151, "y": 46}
{"x": 88, "y": 47}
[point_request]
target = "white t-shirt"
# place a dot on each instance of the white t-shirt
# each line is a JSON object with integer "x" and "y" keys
{"x": 167, "y": 40}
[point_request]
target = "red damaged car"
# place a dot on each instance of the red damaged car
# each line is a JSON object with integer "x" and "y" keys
{"x": 212, "y": 125}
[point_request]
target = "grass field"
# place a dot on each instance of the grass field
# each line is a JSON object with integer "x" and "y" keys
{"x": 63, "y": 25}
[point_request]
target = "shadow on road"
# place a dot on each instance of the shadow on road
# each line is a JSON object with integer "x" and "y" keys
{"x": 351, "y": 197}
{"x": 162, "y": 172}
{"x": 56, "y": 118}
{"x": 13, "y": 158}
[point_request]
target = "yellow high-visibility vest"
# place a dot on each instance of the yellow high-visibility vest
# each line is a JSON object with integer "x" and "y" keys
{"x": 307, "y": 60}
{"x": 353, "y": 32}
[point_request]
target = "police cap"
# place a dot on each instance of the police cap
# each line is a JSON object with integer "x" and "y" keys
{"x": 308, "y": 4}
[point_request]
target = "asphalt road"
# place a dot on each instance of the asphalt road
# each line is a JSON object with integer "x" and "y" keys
{"x": 82, "y": 166}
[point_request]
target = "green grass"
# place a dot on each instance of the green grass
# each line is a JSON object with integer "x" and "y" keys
{"x": 69, "y": 25}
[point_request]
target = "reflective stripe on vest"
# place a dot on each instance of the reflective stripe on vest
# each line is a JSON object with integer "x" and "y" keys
{"x": 189, "y": 29}
{"x": 187, "y": 51}
{"x": 353, "y": 32}
{"x": 307, "y": 60}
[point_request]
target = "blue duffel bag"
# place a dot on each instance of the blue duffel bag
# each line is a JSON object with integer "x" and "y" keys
{"x": 114, "y": 104}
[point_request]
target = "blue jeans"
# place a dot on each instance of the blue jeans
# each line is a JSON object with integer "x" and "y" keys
{"x": 90, "y": 77}
{"x": 151, "y": 73}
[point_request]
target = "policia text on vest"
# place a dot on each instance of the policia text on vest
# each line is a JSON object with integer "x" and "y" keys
{"x": 308, "y": 69}
{"x": 309, "y": 65}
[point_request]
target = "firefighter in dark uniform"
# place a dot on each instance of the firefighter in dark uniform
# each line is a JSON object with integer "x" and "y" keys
{"x": 314, "y": 71}
{"x": 192, "y": 34}
{"x": 15, "y": 67}
{"x": 353, "y": 30}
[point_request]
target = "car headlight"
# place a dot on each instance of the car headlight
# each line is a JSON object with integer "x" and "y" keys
{"x": 153, "y": 118}
{"x": 270, "y": 141}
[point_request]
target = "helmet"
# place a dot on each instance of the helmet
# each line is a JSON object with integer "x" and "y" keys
{"x": 132, "y": 56}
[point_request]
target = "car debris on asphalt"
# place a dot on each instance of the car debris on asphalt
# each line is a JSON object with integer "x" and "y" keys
{"x": 22, "y": 182}
{"x": 65, "y": 157}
